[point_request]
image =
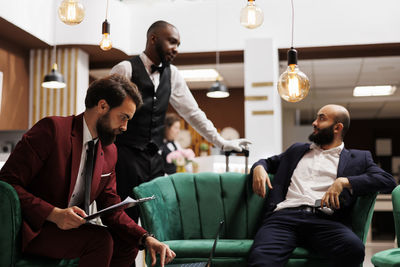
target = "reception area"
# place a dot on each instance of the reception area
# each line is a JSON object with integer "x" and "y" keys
{"x": 245, "y": 80}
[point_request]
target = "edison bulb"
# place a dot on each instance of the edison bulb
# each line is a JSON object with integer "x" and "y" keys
{"x": 71, "y": 12}
{"x": 105, "y": 43}
{"x": 251, "y": 16}
{"x": 293, "y": 85}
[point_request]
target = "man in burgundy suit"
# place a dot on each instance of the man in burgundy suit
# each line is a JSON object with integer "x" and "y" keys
{"x": 49, "y": 167}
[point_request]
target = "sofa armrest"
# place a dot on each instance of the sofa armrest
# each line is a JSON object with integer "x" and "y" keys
{"x": 362, "y": 215}
{"x": 10, "y": 224}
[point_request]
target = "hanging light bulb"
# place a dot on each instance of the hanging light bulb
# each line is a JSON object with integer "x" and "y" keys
{"x": 251, "y": 16}
{"x": 105, "y": 43}
{"x": 293, "y": 85}
{"x": 71, "y": 12}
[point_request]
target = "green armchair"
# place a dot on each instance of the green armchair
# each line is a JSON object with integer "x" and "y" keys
{"x": 391, "y": 257}
{"x": 10, "y": 225}
{"x": 186, "y": 214}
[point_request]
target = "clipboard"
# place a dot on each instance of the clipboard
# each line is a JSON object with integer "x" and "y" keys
{"x": 127, "y": 203}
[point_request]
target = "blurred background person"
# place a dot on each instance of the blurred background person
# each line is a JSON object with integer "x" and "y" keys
{"x": 172, "y": 129}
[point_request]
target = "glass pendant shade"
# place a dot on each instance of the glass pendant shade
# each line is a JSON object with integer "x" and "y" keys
{"x": 71, "y": 12}
{"x": 218, "y": 90}
{"x": 53, "y": 80}
{"x": 251, "y": 16}
{"x": 105, "y": 43}
{"x": 293, "y": 85}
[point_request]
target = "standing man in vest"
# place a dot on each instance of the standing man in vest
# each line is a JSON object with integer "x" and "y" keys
{"x": 160, "y": 83}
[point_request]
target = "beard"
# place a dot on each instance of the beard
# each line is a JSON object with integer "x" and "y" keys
{"x": 161, "y": 54}
{"x": 323, "y": 136}
{"x": 106, "y": 134}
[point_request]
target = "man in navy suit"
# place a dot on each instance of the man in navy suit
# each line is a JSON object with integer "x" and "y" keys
{"x": 305, "y": 173}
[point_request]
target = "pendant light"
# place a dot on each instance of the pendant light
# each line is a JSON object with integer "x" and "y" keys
{"x": 54, "y": 79}
{"x": 71, "y": 12}
{"x": 218, "y": 89}
{"x": 105, "y": 43}
{"x": 293, "y": 85}
{"x": 251, "y": 16}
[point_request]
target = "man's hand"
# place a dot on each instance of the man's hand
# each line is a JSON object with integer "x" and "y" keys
{"x": 155, "y": 246}
{"x": 331, "y": 197}
{"x": 236, "y": 144}
{"x": 260, "y": 177}
{"x": 68, "y": 218}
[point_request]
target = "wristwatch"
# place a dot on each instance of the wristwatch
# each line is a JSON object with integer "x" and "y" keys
{"x": 142, "y": 241}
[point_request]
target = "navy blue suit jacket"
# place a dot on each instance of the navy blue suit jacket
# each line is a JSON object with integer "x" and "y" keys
{"x": 357, "y": 165}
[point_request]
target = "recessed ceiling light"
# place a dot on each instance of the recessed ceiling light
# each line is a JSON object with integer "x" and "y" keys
{"x": 200, "y": 75}
{"x": 379, "y": 90}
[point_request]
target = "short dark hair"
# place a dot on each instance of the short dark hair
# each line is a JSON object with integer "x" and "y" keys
{"x": 113, "y": 89}
{"x": 343, "y": 118}
{"x": 170, "y": 119}
{"x": 160, "y": 24}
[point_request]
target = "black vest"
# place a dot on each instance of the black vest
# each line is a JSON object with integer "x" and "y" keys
{"x": 147, "y": 126}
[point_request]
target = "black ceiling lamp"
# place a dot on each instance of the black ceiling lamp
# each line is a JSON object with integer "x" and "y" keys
{"x": 218, "y": 89}
{"x": 54, "y": 79}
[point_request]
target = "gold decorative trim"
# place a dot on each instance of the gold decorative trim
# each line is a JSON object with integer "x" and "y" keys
{"x": 262, "y": 112}
{"x": 49, "y": 92}
{"x": 262, "y": 84}
{"x": 69, "y": 67}
{"x": 256, "y": 98}
{"x": 35, "y": 83}
{"x": 62, "y": 90}
{"x": 76, "y": 78}
{"x": 42, "y": 90}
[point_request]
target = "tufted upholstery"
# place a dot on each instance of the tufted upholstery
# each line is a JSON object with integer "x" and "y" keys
{"x": 10, "y": 224}
{"x": 391, "y": 257}
{"x": 188, "y": 208}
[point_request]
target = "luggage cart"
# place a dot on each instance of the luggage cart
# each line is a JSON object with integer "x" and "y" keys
{"x": 245, "y": 151}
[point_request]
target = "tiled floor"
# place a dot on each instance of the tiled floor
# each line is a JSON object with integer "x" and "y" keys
{"x": 373, "y": 247}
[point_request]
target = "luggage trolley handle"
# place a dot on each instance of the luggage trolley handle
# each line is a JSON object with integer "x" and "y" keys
{"x": 246, "y": 153}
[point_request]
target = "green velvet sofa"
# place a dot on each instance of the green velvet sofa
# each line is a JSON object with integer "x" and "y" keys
{"x": 188, "y": 208}
{"x": 391, "y": 257}
{"x": 10, "y": 225}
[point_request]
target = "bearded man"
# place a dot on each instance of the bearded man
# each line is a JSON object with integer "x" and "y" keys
{"x": 63, "y": 164}
{"x": 323, "y": 170}
{"x": 160, "y": 83}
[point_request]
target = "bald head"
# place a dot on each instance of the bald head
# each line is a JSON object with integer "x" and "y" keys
{"x": 340, "y": 115}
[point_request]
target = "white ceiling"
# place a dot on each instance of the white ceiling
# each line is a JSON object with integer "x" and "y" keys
{"x": 331, "y": 80}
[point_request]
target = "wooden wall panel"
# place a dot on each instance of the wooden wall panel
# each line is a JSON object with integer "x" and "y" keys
{"x": 14, "y": 63}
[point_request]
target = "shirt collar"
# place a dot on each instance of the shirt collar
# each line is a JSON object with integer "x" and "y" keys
{"x": 334, "y": 150}
{"x": 146, "y": 62}
{"x": 87, "y": 136}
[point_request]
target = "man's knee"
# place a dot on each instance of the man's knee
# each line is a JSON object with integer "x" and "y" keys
{"x": 352, "y": 253}
{"x": 101, "y": 240}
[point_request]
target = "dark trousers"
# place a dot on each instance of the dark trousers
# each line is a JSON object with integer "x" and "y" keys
{"x": 134, "y": 167}
{"x": 284, "y": 230}
{"x": 94, "y": 245}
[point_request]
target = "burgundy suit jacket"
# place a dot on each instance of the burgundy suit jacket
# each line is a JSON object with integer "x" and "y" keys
{"x": 43, "y": 169}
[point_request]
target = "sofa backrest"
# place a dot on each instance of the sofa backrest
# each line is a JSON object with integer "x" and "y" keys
{"x": 190, "y": 206}
{"x": 396, "y": 212}
{"x": 10, "y": 224}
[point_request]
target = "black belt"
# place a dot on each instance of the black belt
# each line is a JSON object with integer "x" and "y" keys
{"x": 306, "y": 208}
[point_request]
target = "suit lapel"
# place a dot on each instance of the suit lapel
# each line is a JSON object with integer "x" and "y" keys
{"x": 76, "y": 146}
{"x": 98, "y": 168}
{"x": 344, "y": 158}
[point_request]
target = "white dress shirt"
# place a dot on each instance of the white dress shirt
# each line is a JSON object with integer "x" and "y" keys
{"x": 78, "y": 195}
{"x": 181, "y": 98}
{"x": 314, "y": 174}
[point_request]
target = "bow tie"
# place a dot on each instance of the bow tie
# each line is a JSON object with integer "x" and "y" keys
{"x": 155, "y": 68}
